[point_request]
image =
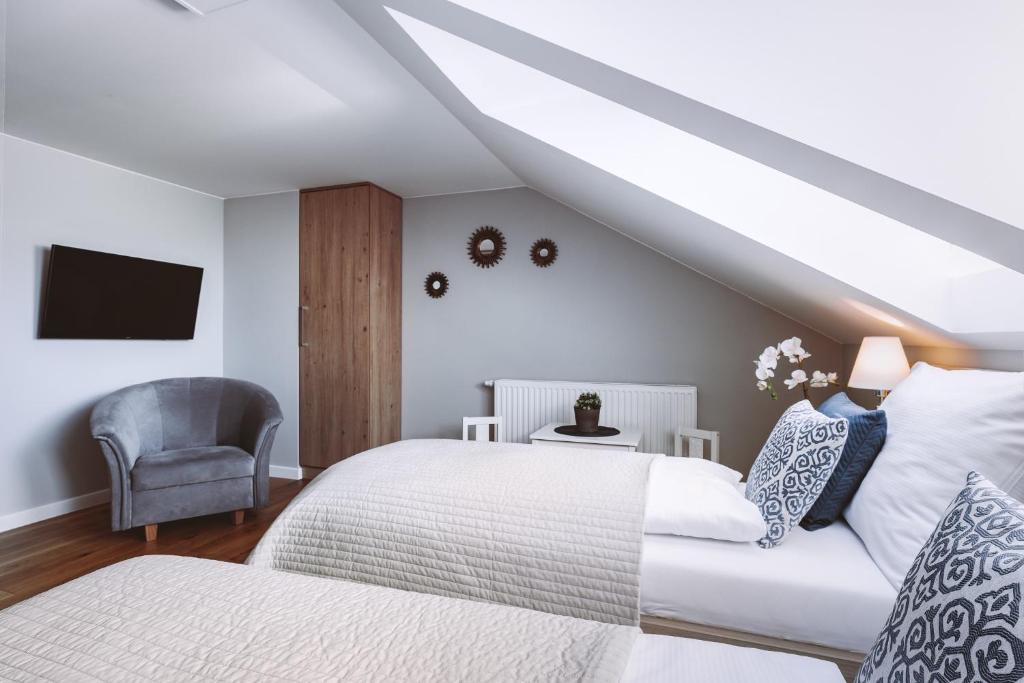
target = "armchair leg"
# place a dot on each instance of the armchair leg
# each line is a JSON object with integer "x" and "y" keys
{"x": 237, "y": 517}
{"x": 150, "y": 533}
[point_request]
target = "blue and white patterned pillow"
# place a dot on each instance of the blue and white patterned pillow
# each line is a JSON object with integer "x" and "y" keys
{"x": 958, "y": 615}
{"x": 793, "y": 467}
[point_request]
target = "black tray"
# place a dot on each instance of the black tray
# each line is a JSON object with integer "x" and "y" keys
{"x": 571, "y": 430}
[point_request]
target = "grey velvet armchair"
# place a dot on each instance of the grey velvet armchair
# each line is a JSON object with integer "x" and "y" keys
{"x": 186, "y": 447}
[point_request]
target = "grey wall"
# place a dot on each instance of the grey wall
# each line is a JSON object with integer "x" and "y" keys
{"x": 609, "y": 309}
{"x": 261, "y": 292}
{"x": 941, "y": 356}
{"x": 47, "y": 387}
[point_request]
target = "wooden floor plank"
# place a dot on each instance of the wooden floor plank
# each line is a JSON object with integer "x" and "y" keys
{"x": 40, "y": 556}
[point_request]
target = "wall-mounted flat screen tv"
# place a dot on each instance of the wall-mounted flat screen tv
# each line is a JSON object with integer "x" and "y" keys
{"x": 95, "y": 295}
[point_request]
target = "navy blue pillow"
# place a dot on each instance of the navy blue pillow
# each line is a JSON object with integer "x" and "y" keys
{"x": 863, "y": 442}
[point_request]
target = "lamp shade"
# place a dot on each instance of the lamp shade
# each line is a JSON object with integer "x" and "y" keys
{"x": 881, "y": 364}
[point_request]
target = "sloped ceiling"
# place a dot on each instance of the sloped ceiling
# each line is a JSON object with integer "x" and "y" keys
{"x": 786, "y": 284}
{"x": 908, "y": 114}
{"x": 259, "y": 96}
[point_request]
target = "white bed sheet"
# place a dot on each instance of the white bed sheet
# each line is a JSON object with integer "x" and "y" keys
{"x": 817, "y": 587}
{"x": 665, "y": 659}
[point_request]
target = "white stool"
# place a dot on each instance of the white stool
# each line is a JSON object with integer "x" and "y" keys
{"x": 483, "y": 428}
{"x": 695, "y": 445}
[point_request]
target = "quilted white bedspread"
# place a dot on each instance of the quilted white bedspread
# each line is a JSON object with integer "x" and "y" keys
{"x": 552, "y": 529}
{"x": 161, "y": 618}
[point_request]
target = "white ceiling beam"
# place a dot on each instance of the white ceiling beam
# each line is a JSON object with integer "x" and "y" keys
{"x": 204, "y": 7}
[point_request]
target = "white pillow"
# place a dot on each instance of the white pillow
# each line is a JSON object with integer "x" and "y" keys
{"x": 703, "y": 502}
{"x": 942, "y": 425}
{"x": 793, "y": 467}
{"x": 670, "y": 466}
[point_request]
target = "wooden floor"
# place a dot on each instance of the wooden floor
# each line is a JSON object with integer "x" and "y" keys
{"x": 40, "y": 556}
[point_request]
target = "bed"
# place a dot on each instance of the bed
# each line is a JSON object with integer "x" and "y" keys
{"x": 160, "y": 618}
{"x": 562, "y": 531}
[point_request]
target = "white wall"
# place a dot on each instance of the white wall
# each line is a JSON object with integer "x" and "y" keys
{"x": 261, "y": 293}
{"x": 47, "y": 387}
{"x": 609, "y": 309}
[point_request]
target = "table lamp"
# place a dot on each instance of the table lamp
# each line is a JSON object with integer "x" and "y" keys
{"x": 881, "y": 364}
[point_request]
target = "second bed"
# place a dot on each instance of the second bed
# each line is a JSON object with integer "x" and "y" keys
{"x": 562, "y": 531}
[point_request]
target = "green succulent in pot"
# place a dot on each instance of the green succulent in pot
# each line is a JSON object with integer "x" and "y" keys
{"x": 588, "y": 412}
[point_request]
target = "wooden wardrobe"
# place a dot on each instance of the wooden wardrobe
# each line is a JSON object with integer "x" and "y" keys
{"x": 350, "y": 321}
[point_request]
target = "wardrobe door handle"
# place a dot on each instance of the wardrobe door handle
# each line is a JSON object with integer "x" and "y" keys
{"x": 302, "y": 325}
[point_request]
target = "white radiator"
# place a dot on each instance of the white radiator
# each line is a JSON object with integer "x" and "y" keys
{"x": 657, "y": 410}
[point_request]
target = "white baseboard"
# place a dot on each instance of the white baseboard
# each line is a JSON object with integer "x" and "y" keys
{"x": 282, "y": 472}
{"x": 55, "y": 509}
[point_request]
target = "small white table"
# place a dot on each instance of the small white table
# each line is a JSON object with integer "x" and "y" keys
{"x": 625, "y": 440}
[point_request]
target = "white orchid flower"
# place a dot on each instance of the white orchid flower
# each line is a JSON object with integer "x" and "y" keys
{"x": 797, "y": 378}
{"x": 819, "y": 379}
{"x": 769, "y": 358}
{"x": 766, "y": 363}
{"x": 792, "y": 350}
{"x": 762, "y": 385}
{"x": 763, "y": 370}
{"x": 788, "y": 347}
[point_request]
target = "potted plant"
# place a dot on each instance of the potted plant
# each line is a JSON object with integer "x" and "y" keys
{"x": 768, "y": 362}
{"x": 588, "y": 412}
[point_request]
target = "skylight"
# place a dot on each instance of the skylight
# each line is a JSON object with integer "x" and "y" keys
{"x": 894, "y": 262}
{"x": 871, "y": 82}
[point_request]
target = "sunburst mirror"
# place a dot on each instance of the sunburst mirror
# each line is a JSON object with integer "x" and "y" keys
{"x": 486, "y": 246}
{"x": 543, "y": 252}
{"x": 436, "y": 285}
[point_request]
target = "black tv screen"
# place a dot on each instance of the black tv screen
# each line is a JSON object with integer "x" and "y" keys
{"x": 94, "y": 295}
